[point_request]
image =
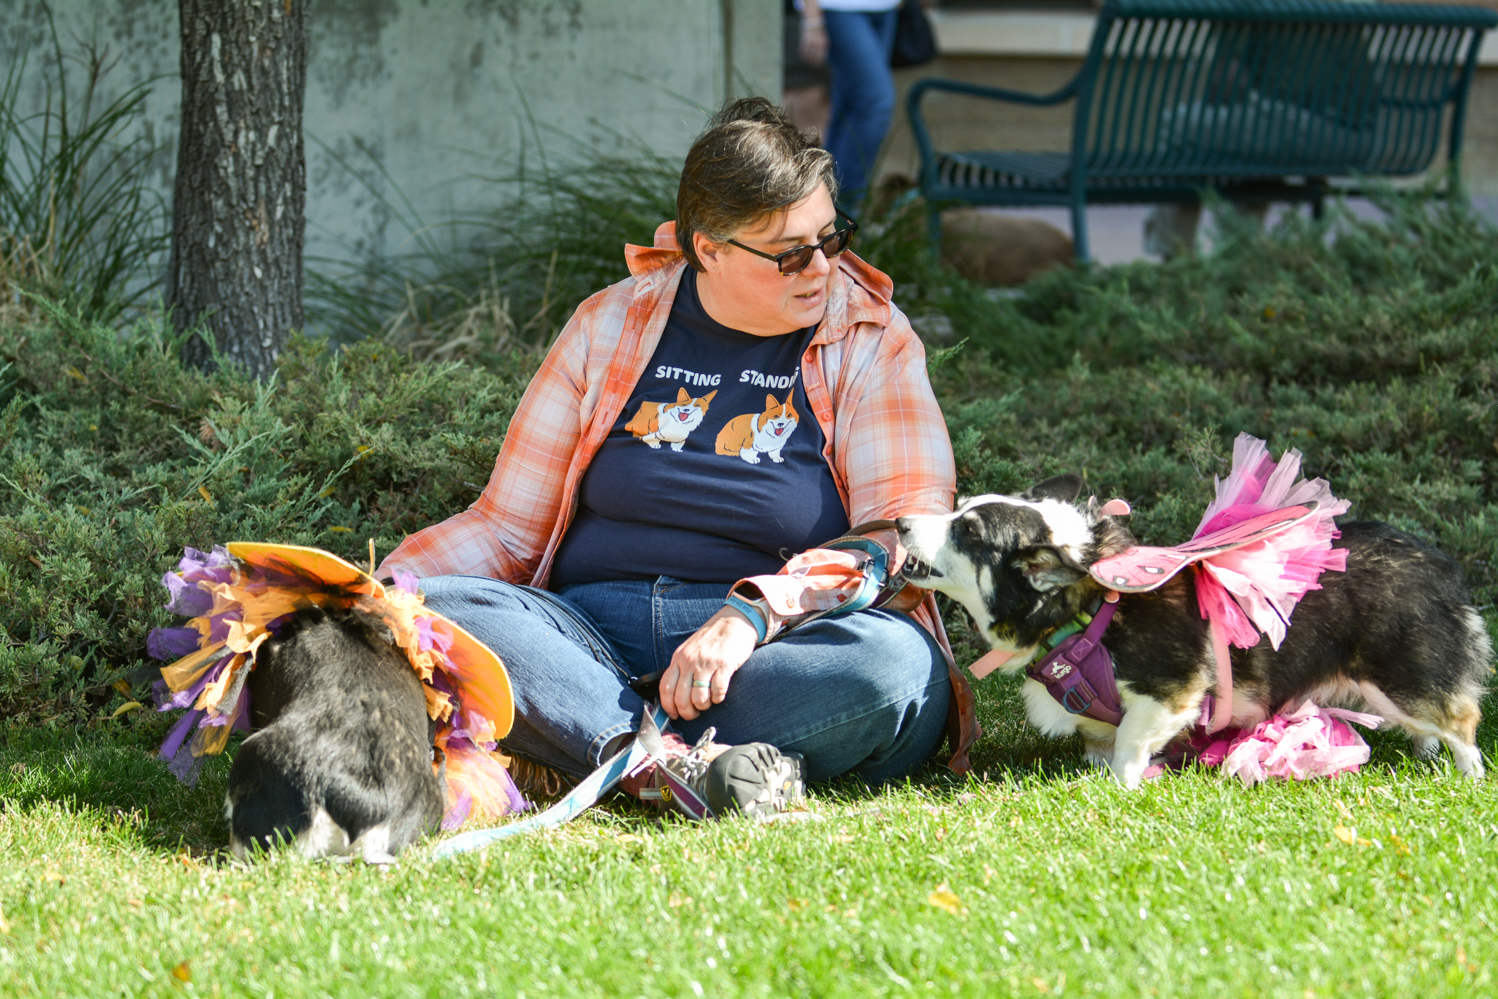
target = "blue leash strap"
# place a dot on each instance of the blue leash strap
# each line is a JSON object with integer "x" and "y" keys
{"x": 578, "y": 800}
{"x": 875, "y": 577}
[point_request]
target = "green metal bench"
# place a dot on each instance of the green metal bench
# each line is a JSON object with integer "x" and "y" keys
{"x": 1256, "y": 99}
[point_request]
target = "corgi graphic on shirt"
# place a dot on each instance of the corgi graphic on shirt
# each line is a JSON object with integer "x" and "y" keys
{"x": 670, "y": 422}
{"x": 753, "y": 434}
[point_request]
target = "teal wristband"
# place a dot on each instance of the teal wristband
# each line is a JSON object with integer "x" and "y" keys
{"x": 754, "y": 614}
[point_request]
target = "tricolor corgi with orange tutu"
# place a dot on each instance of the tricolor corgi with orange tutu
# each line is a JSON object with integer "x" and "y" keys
{"x": 753, "y": 434}
{"x": 371, "y": 718}
{"x": 1142, "y": 648}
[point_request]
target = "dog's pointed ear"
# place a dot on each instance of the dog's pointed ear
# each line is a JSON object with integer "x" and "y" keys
{"x": 1065, "y": 488}
{"x": 1047, "y": 568}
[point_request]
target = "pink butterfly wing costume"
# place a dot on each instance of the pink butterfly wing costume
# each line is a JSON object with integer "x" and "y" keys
{"x": 1260, "y": 547}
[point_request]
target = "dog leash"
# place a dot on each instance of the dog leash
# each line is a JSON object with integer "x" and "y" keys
{"x": 645, "y": 747}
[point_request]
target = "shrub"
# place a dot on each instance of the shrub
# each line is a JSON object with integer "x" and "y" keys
{"x": 117, "y": 457}
{"x": 1369, "y": 346}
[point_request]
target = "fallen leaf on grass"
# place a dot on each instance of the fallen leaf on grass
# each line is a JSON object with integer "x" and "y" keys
{"x": 123, "y": 686}
{"x": 946, "y": 899}
{"x": 181, "y": 974}
{"x": 1350, "y": 836}
{"x": 207, "y": 496}
{"x": 842, "y": 839}
{"x": 123, "y": 708}
{"x": 1400, "y": 846}
{"x": 340, "y": 530}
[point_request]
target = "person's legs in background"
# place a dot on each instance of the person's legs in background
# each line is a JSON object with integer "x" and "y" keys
{"x": 863, "y": 95}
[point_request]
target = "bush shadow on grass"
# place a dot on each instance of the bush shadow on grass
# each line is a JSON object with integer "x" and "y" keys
{"x": 117, "y": 775}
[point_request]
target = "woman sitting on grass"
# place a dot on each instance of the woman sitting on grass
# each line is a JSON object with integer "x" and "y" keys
{"x": 745, "y": 395}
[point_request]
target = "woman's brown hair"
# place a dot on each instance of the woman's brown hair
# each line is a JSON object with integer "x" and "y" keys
{"x": 749, "y": 162}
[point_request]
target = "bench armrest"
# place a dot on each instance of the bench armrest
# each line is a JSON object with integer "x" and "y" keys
{"x": 993, "y": 93}
{"x": 918, "y": 121}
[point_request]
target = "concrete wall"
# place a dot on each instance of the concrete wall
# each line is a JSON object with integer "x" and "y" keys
{"x": 441, "y": 93}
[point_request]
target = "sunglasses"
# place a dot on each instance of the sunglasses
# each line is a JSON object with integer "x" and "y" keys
{"x": 797, "y": 258}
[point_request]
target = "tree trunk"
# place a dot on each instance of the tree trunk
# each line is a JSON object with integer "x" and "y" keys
{"x": 241, "y": 190}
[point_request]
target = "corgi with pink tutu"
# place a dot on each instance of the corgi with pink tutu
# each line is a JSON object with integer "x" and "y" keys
{"x": 1158, "y": 655}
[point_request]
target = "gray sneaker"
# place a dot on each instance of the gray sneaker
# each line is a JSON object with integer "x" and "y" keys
{"x": 713, "y": 779}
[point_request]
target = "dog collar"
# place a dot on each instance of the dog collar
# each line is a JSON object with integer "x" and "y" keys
{"x": 996, "y": 658}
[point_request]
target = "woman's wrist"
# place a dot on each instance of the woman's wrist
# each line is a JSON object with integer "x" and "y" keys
{"x": 811, "y": 22}
{"x": 753, "y": 612}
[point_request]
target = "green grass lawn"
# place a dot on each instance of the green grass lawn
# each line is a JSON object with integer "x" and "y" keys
{"x": 1033, "y": 879}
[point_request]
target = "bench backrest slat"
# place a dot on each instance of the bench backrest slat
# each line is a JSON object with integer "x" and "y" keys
{"x": 1242, "y": 88}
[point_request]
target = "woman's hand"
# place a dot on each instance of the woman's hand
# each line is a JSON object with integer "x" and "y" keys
{"x": 702, "y": 666}
{"x": 813, "y": 46}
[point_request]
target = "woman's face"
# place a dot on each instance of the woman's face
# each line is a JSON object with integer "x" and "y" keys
{"x": 748, "y": 293}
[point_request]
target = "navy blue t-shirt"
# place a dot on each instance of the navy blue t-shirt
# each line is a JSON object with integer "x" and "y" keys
{"x": 713, "y": 471}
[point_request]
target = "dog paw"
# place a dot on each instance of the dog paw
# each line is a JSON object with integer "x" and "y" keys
{"x": 1097, "y": 754}
{"x": 379, "y": 859}
{"x": 1426, "y": 747}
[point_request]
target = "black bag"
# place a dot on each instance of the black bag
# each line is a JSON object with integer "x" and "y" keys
{"x": 914, "y": 43}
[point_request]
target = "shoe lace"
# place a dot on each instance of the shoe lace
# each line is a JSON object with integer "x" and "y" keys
{"x": 693, "y": 765}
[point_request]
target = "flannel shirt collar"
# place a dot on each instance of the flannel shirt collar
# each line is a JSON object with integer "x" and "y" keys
{"x": 860, "y": 292}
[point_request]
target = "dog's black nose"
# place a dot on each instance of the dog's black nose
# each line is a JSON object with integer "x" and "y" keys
{"x": 903, "y": 523}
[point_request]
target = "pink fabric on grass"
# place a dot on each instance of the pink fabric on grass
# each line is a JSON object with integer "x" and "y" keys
{"x": 1310, "y": 741}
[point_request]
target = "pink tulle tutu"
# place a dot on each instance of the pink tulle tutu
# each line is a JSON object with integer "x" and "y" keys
{"x": 1252, "y": 590}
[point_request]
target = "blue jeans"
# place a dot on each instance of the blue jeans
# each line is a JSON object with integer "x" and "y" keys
{"x": 865, "y": 694}
{"x": 863, "y": 93}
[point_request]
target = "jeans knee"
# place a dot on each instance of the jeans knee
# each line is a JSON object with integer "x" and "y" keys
{"x": 443, "y": 593}
{"x": 900, "y": 661}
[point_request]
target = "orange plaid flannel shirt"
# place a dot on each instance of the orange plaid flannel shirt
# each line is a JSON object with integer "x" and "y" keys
{"x": 865, "y": 380}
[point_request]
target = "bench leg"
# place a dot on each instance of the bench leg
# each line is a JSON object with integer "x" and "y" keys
{"x": 933, "y": 223}
{"x": 1081, "y": 253}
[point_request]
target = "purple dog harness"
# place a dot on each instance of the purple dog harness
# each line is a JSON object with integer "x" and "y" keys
{"x": 1078, "y": 672}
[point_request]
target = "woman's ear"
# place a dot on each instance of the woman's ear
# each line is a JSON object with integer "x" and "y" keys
{"x": 708, "y": 252}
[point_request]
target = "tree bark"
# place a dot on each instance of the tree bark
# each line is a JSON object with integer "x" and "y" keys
{"x": 238, "y": 214}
